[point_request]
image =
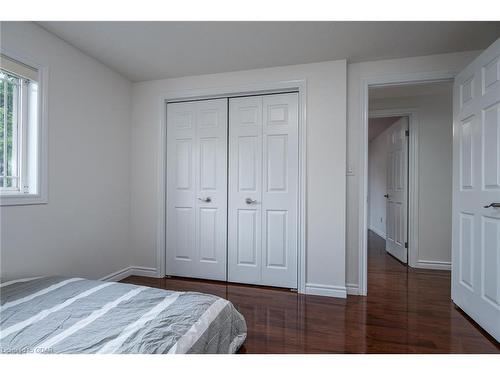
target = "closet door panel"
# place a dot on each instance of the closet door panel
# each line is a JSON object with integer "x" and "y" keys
{"x": 197, "y": 189}
{"x": 180, "y": 186}
{"x": 263, "y": 179}
{"x": 245, "y": 181}
{"x": 211, "y": 186}
{"x": 279, "y": 195}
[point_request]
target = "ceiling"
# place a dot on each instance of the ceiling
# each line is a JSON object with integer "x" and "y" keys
{"x": 153, "y": 50}
{"x": 378, "y": 124}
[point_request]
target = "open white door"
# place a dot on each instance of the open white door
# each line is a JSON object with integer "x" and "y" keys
{"x": 476, "y": 190}
{"x": 396, "y": 196}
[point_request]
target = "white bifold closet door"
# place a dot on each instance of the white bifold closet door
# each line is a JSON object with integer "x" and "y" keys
{"x": 263, "y": 184}
{"x": 197, "y": 189}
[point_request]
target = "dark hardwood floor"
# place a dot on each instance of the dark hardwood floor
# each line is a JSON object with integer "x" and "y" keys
{"x": 406, "y": 311}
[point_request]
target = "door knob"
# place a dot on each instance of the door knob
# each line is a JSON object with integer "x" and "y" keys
{"x": 386, "y": 195}
{"x": 250, "y": 201}
{"x": 207, "y": 199}
{"x": 494, "y": 205}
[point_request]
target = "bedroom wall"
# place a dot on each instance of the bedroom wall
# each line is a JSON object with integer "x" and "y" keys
{"x": 356, "y": 74}
{"x": 326, "y": 150}
{"x": 83, "y": 230}
{"x": 101, "y": 215}
{"x": 435, "y": 118}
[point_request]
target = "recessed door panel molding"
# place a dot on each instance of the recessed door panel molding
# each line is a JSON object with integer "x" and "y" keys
{"x": 277, "y": 114}
{"x": 467, "y": 90}
{"x": 491, "y": 74}
{"x": 466, "y": 250}
{"x": 466, "y": 154}
{"x": 263, "y": 178}
{"x": 208, "y": 163}
{"x": 182, "y": 119}
{"x": 277, "y": 162}
{"x": 277, "y": 238}
{"x": 476, "y": 191}
{"x": 249, "y": 115}
{"x": 390, "y": 222}
{"x": 491, "y": 147}
{"x": 397, "y": 192}
{"x": 247, "y": 236}
{"x": 400, "y": 170}
{"x": 184, "y": 164}
{"x": 209, "y": 118}
{"x": 490, "y": 268}
{"x": 184, "y": 245}
{"x": 197, "y": 152}
{"x": 208, "y": 234}
{"x": 248, "y": 148}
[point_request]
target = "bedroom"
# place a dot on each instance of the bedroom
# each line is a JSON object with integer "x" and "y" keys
{"x": 232, "y": 167}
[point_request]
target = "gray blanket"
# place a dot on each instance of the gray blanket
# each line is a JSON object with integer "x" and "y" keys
{"x": 73, "y": 315}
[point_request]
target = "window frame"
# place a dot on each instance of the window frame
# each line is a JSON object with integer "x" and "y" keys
{"x": 38, "y": 193}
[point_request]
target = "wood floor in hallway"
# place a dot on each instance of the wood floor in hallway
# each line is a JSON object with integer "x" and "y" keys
{"x": 406, "y": 311}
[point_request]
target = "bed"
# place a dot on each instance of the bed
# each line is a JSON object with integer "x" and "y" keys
{"x": 75, "y": 315}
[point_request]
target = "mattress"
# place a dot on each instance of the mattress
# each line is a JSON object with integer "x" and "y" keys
{"x": 75, "y": 315}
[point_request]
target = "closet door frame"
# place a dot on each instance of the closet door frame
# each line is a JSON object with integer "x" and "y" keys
{"x": 279, "y": 87}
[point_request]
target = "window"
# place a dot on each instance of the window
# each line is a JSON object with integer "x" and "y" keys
{"x": 20, "y": 134}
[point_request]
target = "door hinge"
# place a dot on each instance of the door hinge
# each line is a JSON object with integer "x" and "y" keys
{"x": 406, "y": 245}
{"x": 407, "y": 133}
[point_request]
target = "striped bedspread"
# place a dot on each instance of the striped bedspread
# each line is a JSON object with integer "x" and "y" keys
{"x": 74, "y": 315}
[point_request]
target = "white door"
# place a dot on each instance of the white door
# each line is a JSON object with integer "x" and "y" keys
{"x": 396, "y": 196}
{"x": 263, "y": 183}
{"x": 197, "y": 189}
{"x": 476, "y": 189}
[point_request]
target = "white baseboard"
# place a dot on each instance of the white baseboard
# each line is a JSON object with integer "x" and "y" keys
{"x": 326, "y": 290}
{"x": 352, "y": 289}
{"x": 130, "y": 271}
{"x": 433, "y": 265}
{"x": 377, "y": 231}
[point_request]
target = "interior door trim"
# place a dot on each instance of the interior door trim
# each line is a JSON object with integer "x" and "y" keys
{"x": 264, "y": 88}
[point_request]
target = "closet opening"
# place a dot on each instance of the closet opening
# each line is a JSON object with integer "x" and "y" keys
{"x": 233, "y": 188}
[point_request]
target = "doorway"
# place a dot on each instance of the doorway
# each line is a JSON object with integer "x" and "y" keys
{"x": 388, "y": 182}
{"x": 409, "y": 175}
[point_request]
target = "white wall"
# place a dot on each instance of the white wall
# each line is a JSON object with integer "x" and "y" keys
{"x": 356, "y": 74}
{"x": 435, "y": 119}
{"x": 377, "y": 183}
{"x": 326, "y": 152}
{"x": 83, "y": 230}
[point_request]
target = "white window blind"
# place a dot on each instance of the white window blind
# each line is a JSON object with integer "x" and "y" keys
{"x": 17, "y": 68}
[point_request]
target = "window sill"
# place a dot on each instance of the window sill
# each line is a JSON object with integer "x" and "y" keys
{"x": 18, "y": 199}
